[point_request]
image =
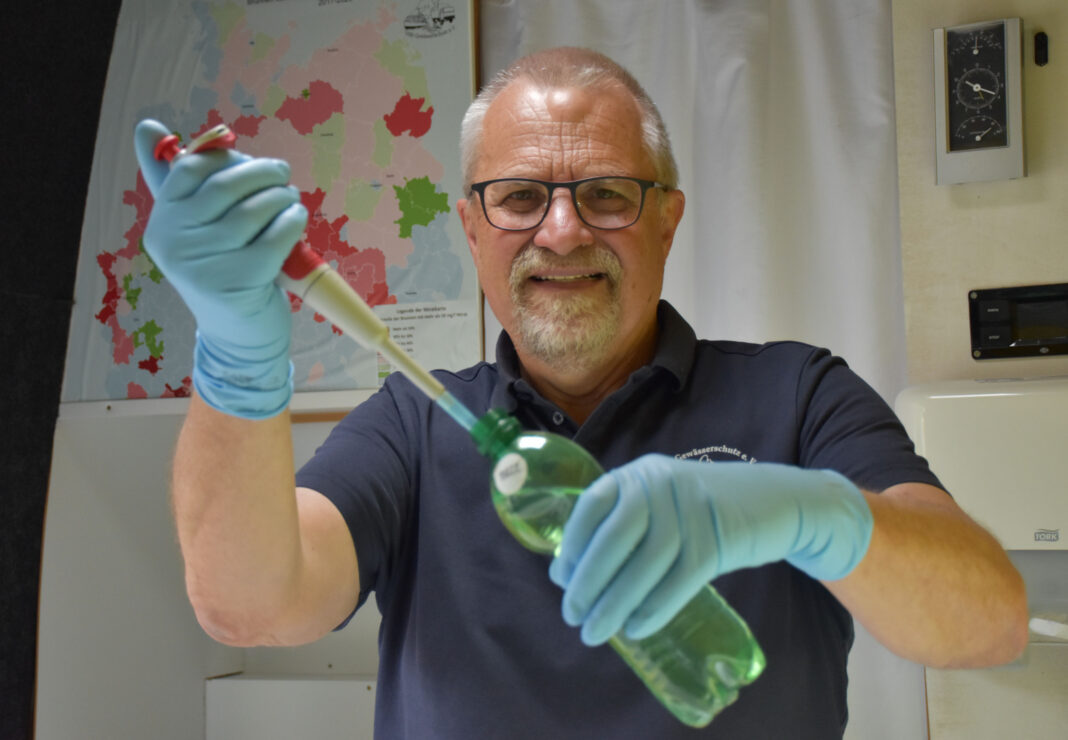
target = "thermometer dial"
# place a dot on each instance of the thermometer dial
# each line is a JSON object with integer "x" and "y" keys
{"x": 976, "y": 63}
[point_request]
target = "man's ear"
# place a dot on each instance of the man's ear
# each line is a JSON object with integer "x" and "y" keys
{"x": 467, "y": 212}
{"x": 671, "y": 208}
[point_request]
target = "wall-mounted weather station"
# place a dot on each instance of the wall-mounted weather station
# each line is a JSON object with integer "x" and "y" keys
{"x": 978, "y": 102}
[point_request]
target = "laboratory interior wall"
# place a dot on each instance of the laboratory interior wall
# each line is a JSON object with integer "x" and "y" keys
{"x": 955, "y": 238}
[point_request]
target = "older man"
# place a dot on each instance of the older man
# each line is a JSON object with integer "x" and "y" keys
{"x": 571, "y": 211}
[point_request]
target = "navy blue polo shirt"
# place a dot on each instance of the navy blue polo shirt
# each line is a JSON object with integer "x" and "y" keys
{"x": 472, "y": 644}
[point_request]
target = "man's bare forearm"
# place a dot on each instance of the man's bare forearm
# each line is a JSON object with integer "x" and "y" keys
{"x": 236, "y": 515}
{"x": 935, "y": 587}
{"x": 266, "y": 564}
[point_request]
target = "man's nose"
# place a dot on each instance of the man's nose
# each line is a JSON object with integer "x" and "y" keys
{"x": 562, "y": 230}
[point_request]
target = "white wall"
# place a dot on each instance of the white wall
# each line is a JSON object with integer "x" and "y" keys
{"x": 955, "y": 238}
{"x": 120, "y": 654}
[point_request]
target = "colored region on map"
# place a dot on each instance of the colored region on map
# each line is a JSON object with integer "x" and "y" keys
{"x": 408, "y": 117}
{"x": 315, "y": 104}
{"x": 420, "y": 203}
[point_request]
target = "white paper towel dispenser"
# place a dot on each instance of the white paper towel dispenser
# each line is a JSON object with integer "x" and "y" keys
{"x": 1000, "y": 448}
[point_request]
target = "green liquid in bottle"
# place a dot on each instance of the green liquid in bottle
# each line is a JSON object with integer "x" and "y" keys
{"x": 697, "y": 663}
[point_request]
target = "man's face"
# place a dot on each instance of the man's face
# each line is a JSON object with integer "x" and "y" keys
{"x": 569, "y": 294}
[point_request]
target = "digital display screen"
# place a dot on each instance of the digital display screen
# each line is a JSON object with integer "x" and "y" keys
{"x": 1041, "y": 320}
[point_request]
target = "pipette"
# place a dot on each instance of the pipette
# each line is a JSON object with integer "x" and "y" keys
{"x": 308, "y": 276}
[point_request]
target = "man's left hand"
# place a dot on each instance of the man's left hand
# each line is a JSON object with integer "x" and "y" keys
{"x": 645, "y": 537}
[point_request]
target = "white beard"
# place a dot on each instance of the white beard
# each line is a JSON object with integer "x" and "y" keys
{"x": 568, "y": 332}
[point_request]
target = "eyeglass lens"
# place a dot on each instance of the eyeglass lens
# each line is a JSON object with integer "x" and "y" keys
{"x": 603, "y": 202}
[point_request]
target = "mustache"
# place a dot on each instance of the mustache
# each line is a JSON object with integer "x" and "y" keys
{"x": 593, "y": 259}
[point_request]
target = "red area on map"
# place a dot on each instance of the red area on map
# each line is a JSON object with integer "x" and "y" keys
{"x": 141, "y": 199}
{"x": 247, "y": 125}
{"x": 105, "y": 261}
{"x": 122, "y": 343}
{"x": 363, "y": 269}
{"x": 307, "y": 111}
{"x": 135, "y": 390}
{"x": 151, "y": 364}
{"x": 407, "y": 116}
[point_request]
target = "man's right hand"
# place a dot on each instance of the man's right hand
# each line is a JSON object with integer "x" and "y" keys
{"x": 221, "y": 227}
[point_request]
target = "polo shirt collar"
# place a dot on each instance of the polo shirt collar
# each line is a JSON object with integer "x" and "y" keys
{"x": 676, "y": 346}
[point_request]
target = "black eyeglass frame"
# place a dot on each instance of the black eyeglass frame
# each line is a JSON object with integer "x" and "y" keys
{"x": 572, "y": 186}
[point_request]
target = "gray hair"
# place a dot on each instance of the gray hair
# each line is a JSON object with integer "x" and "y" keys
{"x": 569, "y": 67}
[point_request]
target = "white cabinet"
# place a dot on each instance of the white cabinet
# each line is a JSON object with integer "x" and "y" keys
{"x": 283, "y": 708}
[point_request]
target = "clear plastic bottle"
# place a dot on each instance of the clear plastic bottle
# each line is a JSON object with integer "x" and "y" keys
{"x": 697, "y": 663}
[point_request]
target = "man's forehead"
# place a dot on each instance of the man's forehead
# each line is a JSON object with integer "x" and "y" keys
{"x": 525, "y": 99}
{"x": 561, "y": 105}
{"x": 530, "y": 125}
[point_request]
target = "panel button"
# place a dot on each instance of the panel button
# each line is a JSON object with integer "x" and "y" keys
{"x": 993, "y": 310}
{"x": 996, "y": 336}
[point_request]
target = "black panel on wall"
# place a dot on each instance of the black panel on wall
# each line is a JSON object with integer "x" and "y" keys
{"x": 55, "y": 57}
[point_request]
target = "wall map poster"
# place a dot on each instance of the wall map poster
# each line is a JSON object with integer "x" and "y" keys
{"x": 364, "y": 99}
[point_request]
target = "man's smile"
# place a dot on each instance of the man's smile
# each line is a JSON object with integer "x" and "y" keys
{"x": 567, "y": 278}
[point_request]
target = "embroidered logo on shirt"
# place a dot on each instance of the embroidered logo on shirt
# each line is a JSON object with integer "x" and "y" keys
{"x": 716, "y": 452}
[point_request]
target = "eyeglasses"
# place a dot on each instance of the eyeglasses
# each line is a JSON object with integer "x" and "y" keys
{"x": 517, "y": 204}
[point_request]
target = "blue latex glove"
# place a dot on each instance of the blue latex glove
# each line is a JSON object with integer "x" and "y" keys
{"x": 221, "y": 227}
{"x": 645, "y": 537}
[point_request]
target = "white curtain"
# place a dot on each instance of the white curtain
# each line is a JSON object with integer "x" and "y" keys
{"x": 781, "y": 114}
{"x": 782, "y": 117}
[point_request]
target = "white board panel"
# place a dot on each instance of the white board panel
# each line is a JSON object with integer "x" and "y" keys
{"x": 280, "y": 708}
{"x": 120, "y": 653}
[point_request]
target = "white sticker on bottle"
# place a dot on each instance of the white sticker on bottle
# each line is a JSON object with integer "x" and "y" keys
{"x": 510, "y": 473}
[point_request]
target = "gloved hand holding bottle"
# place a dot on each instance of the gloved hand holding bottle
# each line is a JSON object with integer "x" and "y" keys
{"x": 645, "y": 537}
{"x": 221, "y": 227}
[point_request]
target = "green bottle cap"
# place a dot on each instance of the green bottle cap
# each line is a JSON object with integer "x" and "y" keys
{"x": 494, "y": 432}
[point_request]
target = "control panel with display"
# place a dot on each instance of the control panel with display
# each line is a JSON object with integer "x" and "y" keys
{"x": 1028, "y": 321}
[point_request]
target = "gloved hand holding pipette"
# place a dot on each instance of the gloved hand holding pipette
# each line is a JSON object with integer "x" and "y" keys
{"x": 226, "y": 236}
{"x": 221, "y": 227}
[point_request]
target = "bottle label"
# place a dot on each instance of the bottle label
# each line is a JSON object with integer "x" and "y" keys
{"x": 510, "y": 473}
